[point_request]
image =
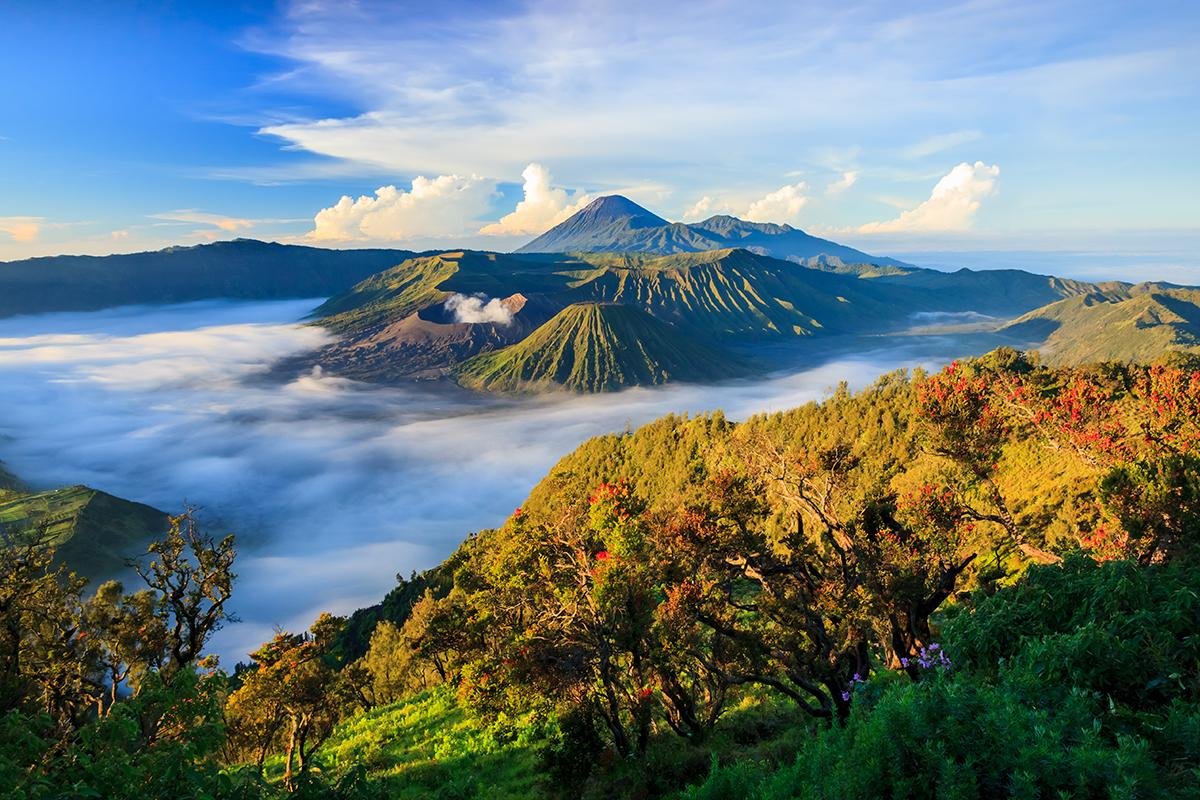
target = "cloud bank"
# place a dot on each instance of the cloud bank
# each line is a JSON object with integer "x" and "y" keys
{"x": 332, "y": 486}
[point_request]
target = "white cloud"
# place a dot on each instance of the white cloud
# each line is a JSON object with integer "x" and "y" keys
{"x": 21, "y": 229}
{"x": 477, "y": 308}
{"x": 542, "y": 208}
{"x": 952, "y": 205}
{"x": 706, "y": 207}
{"x": 445, "y": 206}
{"x": 195, "y": 217}
{"x": 945, "y": 141}
{"x": 848, "y": 179}
{"x": 782, "y": 205}
{"x": 118, "y": 235}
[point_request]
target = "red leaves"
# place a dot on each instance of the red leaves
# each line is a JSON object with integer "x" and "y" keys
{"x": 1106, "y": 543}
{"x": 608, "y": 491}
{"x": 602, "y": 555}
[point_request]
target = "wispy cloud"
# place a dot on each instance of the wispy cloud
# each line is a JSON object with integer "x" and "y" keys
{"x": 941, "y": 142}
{"x": 194, "y": 217}
{"x": 588, "y": 81}
{"x": 215, "y": 226}
{"x": 848, "y": 179}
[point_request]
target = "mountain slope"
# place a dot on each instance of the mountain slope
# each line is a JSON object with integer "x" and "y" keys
{"x": 396, "y": 324}
{"x": 738, "y": 295}
{"x": 617, "y": 224}
{"x": 94, "y": 531}
{"x": 240, "y": 269}
{"x": 423, "y": 281}
{"x": 1122, "y": 323}
{"x": 996, "y": 292}
{"x": 594, "y": 347}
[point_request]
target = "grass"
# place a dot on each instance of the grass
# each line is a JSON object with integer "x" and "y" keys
{"x": 429, "y": 746}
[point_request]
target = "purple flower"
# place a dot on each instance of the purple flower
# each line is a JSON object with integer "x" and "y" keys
{"x": 845, "y": 697}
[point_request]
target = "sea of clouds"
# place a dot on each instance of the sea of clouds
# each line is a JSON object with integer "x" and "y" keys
{"x": 333, "y": 486}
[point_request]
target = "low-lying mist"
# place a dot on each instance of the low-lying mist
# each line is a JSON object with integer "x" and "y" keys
{"x": 333, "y": 486}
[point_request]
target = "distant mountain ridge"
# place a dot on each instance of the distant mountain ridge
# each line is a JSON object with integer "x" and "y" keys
{"x": 244, "y": 269}
{"x": 617, "y": 224}
{"x": 1116, "y": 322}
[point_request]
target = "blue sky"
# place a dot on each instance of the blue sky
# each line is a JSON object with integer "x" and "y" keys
{"x": 943, "y": 129}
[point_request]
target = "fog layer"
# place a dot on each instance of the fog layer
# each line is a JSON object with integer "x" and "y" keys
{"x": 333, "y": 486}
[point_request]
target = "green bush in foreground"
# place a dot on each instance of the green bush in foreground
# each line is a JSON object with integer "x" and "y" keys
{"x": 1080, "y": 681}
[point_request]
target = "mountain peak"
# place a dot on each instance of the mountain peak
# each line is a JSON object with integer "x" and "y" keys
{"x": 612, "y": 207}
{"x": 605, "y": 219}
{"x": 616, "y": 224}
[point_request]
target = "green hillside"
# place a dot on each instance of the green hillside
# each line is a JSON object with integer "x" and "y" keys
{"x": 430, "y": 745}
{"x": 742, "y": 296}
{"x": 94, "y": 531}
{"x": 1137, "y": 324}
{"x": 598, "y": 347}
{"x": 424, "y": 281}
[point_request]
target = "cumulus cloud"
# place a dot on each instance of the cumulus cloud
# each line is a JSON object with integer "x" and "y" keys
{"x": 706, "y": 207}
{"x": 782, "y": 205}
{"x": 21, "y": 229}
{"x": 952, "y": 205}
{"x": 848, "y": 179}
{"x": 543, "y": 206}
{"x": 437, "y": 207}
{"x": 478, "y": 308}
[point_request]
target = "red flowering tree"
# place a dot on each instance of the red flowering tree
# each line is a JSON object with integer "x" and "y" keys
{"x": 966, "y": 414}
{"x": 1138, "y": 428}
{"x": 858, "y": 572}
{"x": 585, "y": 609}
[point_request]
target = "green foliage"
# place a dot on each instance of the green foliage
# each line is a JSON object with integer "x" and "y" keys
{"x": 1079, "y": 681}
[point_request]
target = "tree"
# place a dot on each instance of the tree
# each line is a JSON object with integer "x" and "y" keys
{"x": 291, "y": 699}
{"x": 192, "y": 574}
